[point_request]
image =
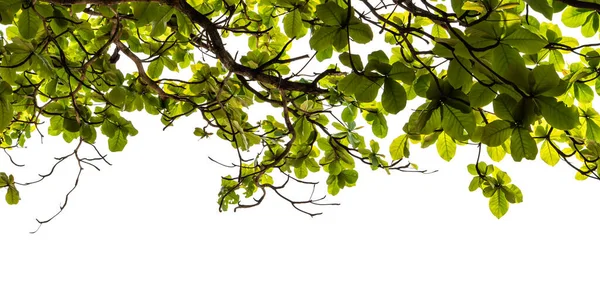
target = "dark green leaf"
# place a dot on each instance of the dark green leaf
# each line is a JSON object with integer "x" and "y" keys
{"x": 455, "y": 123}
{"x": 29, "y": 23}
{"x": 558, "y": 114}
{"x": 496, "y": 133}
{"x": 522, "y": 145}
{"x": 393, "y": 99}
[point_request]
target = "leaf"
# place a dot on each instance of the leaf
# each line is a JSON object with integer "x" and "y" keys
{"x": 496, "y": 153}
{"x": 583, "y": 92}
{"x": 303, "y": 129}
{"x": 474, "y": 184}
{"x": 446, "y": 147}
{"x": 475, "y": 6}
{"x": 363, "y": 88}
{"x": 6, "y": 109}
{"x": 458, "y": 76}
{"x": 542, "y": 7}
{"x": 549, "y": 154}
{"x": 481, "y": 95}
{"x": 558, "y": 114}
{"x": 12, "y": 195}
{"x": 340, "y": 40}
{"x": 331, "y": 13}
{"x": 522, "y": 145}
{"x": 323, "y": 38}
{"x": 575, "y": 17}
{"x": 399, "y": 147}
{"x": 544, "y": 78}
{"x": 592, "y": 130}
{"x": 293, "y": 25}
{"x": 507, "y": 62}
{"x": 456, "y": 122}
{"x": 350, "y": 176}
{"x": 160, "y": 18}
{"x": 393, "y": 99}
{"x": 356, "y": 61}
{"x": 117, "y": 96}
{"x": 379, "y": 126}
{"x": 496, "y": 133}
{"x": 155, "y": 68}
{"x": 525, "y": 41}
{"x": 512, "y": 193}
{"x": 557, "y": 60}
{"x": 590, "y": 27}
{"x": 401, "y": 72}
{"x": 29, "y": 23}
{"x": 503, "y": 107}
{"x": 498, "y": 204}
{"x": 360, "y": 33}
{"x": 143, "y": 12}
{"x": 118, "y": 141}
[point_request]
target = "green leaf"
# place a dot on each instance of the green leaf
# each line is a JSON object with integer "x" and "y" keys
{"x": 293, "y": 25}
{"x": 583, "y": 92}
{"x": 512, "y": 193}
{"x": 363, "y": 88}
{"x": 504, "y": 106}
{"x": 331, "y": 14}
{"x": 6, "y": 109}
{"x": 456, "y": 122}
{"x": 498, "y": 204}
{"x": 507, "y": 62}
{"x": 379, "y": 126}
{"x": 29, "y": 23}
{"x": 155, "y": 68}
{"x": 592, "y": 130}
{"x": 575, "y": 17}
{"x": 143, "y": 12}
{"x": 522, "y": 145}
{"x": 160, "y": 18}
{"x": 360, "y": 33}
{"x": 480, "y": 95}
{"x": 475, "y": 182}
{"x": 356, "y": 61}
{"x": 590, "y": 27}
{"x": 525, "y": 41}
{"x": 350, "y": 176}
{"x": 399, "y": 147}
{"x": 557, "y": 60}
{"x": 558, "y": 114}
{"x": 117, "y": 96}
{"x": 12, "y": 195}
{"x": 349, "y": 113}
{"x": 496, "y": 153}
{"x": 446, "y": 147}
{"x": 401, "y": 72}
{"x": 544, "y": 78}
{"x": 475, "y": 6}
{"x": 549, "y": 154}
{"x": 303, "y": 129}
{"x": 323, "y": 38}
{"x": 7, "y": 10}
{"x": 496, "y": 133}
{"x": 393, "y": 99}
{"x": 542, "y": 7}
{"x": 118, "y": 141}
{"x": 340, "y": 40}
{"x": 458, "y": 76}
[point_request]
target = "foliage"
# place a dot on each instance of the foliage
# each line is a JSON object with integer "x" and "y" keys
{"x": 493, "y": 74}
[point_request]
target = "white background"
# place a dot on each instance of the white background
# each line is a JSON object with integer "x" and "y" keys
{"x": 150, "y": 224}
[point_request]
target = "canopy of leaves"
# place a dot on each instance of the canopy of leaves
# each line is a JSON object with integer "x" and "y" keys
{"x": 493, "y": 74}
